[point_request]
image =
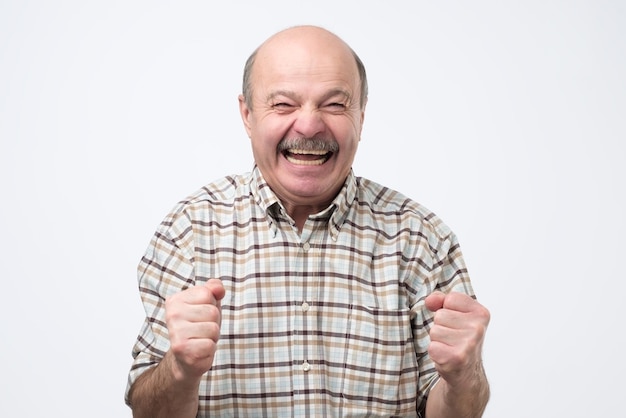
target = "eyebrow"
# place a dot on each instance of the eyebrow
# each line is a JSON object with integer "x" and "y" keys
{"x": 293, "y": 95}
{"x": 287, "y": 93}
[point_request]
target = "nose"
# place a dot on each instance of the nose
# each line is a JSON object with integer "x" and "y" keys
{"x": 309, "y": 123}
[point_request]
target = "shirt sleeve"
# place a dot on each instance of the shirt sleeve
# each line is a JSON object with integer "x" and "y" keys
{"x": 165, "y": 268}
{"x": 445, "y": 271}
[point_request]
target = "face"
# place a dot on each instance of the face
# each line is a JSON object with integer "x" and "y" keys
{"x": 305, "y": 117}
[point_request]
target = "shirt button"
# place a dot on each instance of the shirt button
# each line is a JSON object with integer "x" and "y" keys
{"x": 306, "y": 366}
{"x": 306, "y": 246}
{"x": 305, "y": 307}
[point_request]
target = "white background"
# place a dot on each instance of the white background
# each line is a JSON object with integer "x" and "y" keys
{"x": 506, "y": 118}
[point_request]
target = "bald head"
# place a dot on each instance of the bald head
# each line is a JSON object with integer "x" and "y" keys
{"x": 312, "y": 41}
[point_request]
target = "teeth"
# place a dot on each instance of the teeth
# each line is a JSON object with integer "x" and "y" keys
{"x": 296, "y": 151}
{"x": 301, "y": 151}
{"x": 305, "y": 162}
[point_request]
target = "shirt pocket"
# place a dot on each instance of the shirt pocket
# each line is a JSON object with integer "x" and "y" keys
{"x": 380, "y": 366}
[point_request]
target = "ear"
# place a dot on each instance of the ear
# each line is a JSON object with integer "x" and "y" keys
{"x": 246, "y": 114}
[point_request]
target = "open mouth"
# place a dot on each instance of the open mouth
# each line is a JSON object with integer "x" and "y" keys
{"x": 306, "y": 157}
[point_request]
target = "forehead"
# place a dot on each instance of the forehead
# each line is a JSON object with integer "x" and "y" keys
{"x": 312, "y": 61}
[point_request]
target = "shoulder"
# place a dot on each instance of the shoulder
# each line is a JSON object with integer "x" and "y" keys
{"x": 222, "y": 190}
{"x": 213, "y": 199}
{"x": 392, "y": 205}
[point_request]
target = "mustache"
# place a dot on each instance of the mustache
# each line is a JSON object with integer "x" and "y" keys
{"x": 308, "y": 144}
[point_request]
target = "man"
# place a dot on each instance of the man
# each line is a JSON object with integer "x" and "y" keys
{"x": 300, "y": 289}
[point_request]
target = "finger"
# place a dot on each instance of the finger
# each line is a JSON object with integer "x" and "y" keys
{"x": 196, "y": 295}
{"x": 474, "y": 322}
{"x": 460, "y": 302}
{"x": 435, "y": 301}
{"x": 196, "y": 331}
{"x": 192, "y": 307}
{"x": 202, "y": 313}
{"x": 446, "y": 335}
{"x": 217, "y": 288}
{"x": 448, "y": 318}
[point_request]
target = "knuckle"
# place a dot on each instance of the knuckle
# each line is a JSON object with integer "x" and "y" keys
{"x": 214, "y": 331}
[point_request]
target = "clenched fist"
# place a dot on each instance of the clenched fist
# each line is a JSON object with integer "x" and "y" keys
{"x": 456, "y": 336}
{"x": 193, "y": 319}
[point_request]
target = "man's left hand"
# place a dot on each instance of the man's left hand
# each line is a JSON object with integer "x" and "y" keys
{"x": 457, "y": 335}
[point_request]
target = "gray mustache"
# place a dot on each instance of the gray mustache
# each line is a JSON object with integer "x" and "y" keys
{"x": 308, "y": 144}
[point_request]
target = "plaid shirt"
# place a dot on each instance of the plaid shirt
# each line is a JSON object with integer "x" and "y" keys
{"x": 327, "y": 322}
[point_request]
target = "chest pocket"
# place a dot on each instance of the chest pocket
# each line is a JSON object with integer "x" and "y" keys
{"x": 379, "y": 364}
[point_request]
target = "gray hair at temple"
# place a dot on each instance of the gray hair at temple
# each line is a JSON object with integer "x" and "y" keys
{"x": 247, "y": 72}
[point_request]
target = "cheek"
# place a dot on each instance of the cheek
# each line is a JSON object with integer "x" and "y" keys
{"x": 265, "y": 138}
{"x": 349, "y": 136}
{"x": 348, "y": 127}
{"x": 271, "y": 130}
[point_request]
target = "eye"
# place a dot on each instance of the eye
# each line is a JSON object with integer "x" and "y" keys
{"x": 336, "y": 107}
{"x": 281, "y": 105}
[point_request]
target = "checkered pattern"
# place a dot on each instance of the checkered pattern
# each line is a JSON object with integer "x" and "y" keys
{"x": 328, "y": 322}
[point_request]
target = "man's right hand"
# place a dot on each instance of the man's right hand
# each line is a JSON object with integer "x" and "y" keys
{"x": 193, "y": 319}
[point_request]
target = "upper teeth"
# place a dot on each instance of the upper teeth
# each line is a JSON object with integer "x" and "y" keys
{"x": 298, "y": 161}
{"x": 301, "y": 151}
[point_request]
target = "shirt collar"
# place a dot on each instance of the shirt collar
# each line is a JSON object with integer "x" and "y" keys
{"x": 336, "y": 212}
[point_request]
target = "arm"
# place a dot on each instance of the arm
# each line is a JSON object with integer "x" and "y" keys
{"x": 158, "y": 393}
{"x": 170, "y": 389}
{"x": 457, "y": 336}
